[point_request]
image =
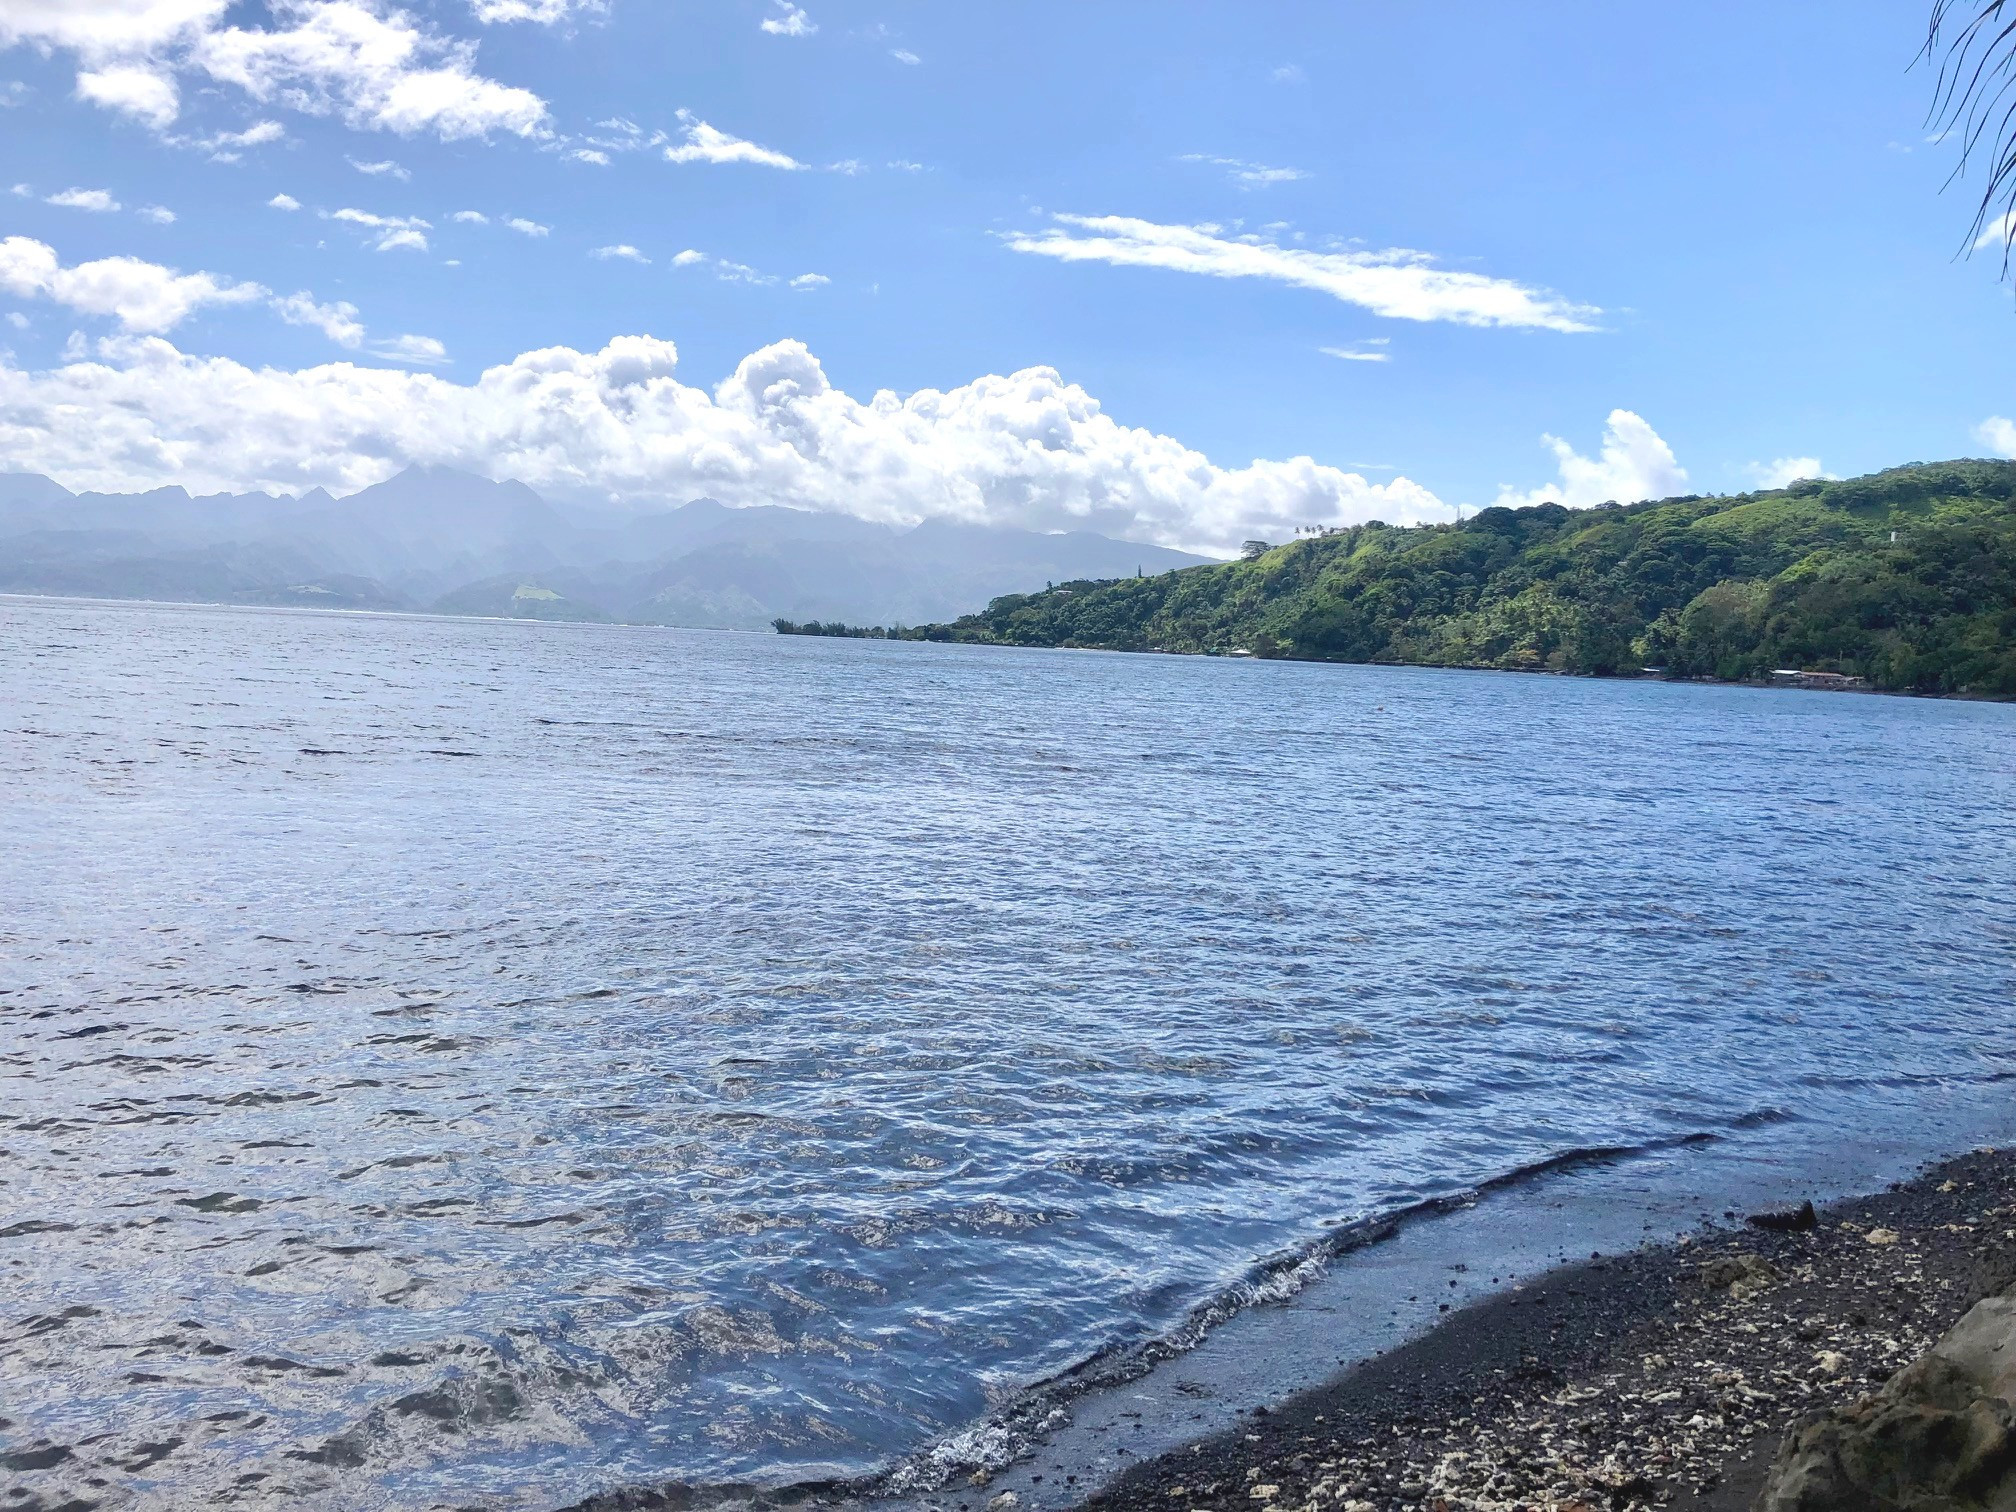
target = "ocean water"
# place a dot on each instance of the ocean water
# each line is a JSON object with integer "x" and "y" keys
{"x": 480, "y": 1064}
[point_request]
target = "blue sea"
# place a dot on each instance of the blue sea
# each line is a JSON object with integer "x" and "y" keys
{"x": 465, "y": 1063}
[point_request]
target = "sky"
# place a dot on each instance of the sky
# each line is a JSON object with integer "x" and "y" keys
{"x": 1186, "y": 273}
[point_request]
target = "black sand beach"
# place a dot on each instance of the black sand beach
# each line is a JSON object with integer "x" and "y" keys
{"x": 1666, "y": 1377}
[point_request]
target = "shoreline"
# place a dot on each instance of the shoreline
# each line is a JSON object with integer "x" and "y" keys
{"x": 1663, "y": 1377}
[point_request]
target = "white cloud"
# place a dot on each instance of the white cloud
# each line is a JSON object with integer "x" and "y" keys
{"x": 258, "y": 134}
{"x": 1247, "y": 175}
{"x": 1397, "y": 283}
{"x": 793, "y": 22}
{"x": 542, "y": 12}
{"x": 810, "y": 281}
{"x": 1998, "y": 232}
{"x": 417, "y": 351}
{"x": 17, "y": 320}
{"x": 1359, "y": 353}
{"x": 1028, "y": 449}
{"x": 687, "y": 258}
{"x": 1786, "y": 470}
{"x": 161, "y": 215}
{"x": 1634, "y": 464}
{"x": 904, "y": 55}
{"x": 382, "y": 169}
{"x": 145, "y": 93}
{"x": 13, "y": 92}
{"x": 704, "y": 144}
{"x": 22, "y": 191}
{"x": 1289, "y": 73}
{"x": 283, "y": 202}
{"x": 623, "y": 251}
{"x": 367, "y": 62}
{"x": 589, "y": 155}
{"x": 525, "y": 227}
{"x": 97, "y": 200}
{"x": 471, "y": 217}
{"x": 735, "y": 272}
{"x": 141, "y": 296}
{"x": 904, "y": 165}
{"x": 337, "y": 321}
{"x": 389, "y": 233}
{"x": 1998, "y": 435}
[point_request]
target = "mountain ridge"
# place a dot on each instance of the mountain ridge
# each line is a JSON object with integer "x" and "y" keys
{"x": 440, "y": 539}
{"x": 1905, "y": 578}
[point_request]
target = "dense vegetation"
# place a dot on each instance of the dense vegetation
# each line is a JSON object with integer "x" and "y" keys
{"x": 834, "y": 628}
{"x": 1906, "y": 577}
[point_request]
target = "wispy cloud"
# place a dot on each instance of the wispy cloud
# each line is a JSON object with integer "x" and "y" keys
{"x": 622, "y": 251}
{"x": 593, "y": 155}
{"x": 1397, "y": 283}
{"x": 1372, "y": 350}
{"x": 96, "y": 200}
{"x": 526, "y": 227}
{"x": 704, "y": 144}
{"x": 383, "y": 169}
{"x": 904, "y": 55}
{"x": 160, "y": 215}
{"x": 791, "y": 22}
{"x": 1998, "y": 232}
{"x": 389, "y": 233}
{"x": 1247, "y": 175}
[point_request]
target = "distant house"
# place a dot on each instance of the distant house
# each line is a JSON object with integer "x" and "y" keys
{"x": 1798, "y": 677}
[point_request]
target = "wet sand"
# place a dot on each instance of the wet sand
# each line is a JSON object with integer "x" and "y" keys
{"x": 1664, "y": 1377}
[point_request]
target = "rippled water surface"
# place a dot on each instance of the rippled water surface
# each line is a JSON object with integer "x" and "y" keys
{"x": 481, "y": 1064}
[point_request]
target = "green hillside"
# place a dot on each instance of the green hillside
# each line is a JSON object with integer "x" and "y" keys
{"x": 1905, "y": 577}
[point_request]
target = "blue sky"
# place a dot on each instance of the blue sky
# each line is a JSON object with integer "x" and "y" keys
{"x": 1724, "y": 220}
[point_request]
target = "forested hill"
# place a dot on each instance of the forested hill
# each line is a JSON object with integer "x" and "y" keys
{"x": 1905, "y": 577}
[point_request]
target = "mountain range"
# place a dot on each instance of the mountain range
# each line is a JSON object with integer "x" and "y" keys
{"x": 451, "y": 542}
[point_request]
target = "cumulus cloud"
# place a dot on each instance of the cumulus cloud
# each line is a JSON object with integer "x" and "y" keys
{"x": 145, "y": 93}
{"x": 810, "y": 281}
{"x": 1028, "y": 449}
{"x": 1397, "y": 283}
{"x": 593, "y": 155}
{"x": 160, "y": 215}
{"x": 1633, "y": 464}
{"x": 1246, "y": 175}
{"x": 141, "y": 296}
{"x": 1998, "y": 435}
{"x": 97, "y": 200}
{"x": 623, "y": 251}
{"x": 688, "y": 258}
{"x": 225, "y": 144}
{"x": 1784, "y": 470}
{"x": 1997, "y": 233}
{"x": 790, "y": 22}
{"x": 337, "y": 321}
{"x": 470, "y": 217}
{"x": 366, "y": 62}
{"x": 526, "y": 227}
{"x": 147, "y": 298}
{"x": 704, "y": 144}
{"x": 283, "y": 202}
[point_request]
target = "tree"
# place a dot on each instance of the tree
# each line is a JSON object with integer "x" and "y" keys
{"x": 1972, "y": 100}
{"x": 1253, "y": 550}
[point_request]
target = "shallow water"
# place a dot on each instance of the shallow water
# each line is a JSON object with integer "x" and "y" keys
{"x": 450, "y": 1063}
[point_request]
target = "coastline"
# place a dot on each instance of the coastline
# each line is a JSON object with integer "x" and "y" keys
{"x": 1664, "y": 1377}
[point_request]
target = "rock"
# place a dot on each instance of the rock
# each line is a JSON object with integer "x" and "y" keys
{"x": 1939, "y": 1437}
{"x": 1797, "y": 1220}
{"x": 1739, "y": 1275}
{"x": 1881, "y": 1236}
{"x": 1003, "y": 1502}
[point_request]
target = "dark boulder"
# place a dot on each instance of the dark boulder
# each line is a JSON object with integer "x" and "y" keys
{"x": 1939, "y": 1437}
